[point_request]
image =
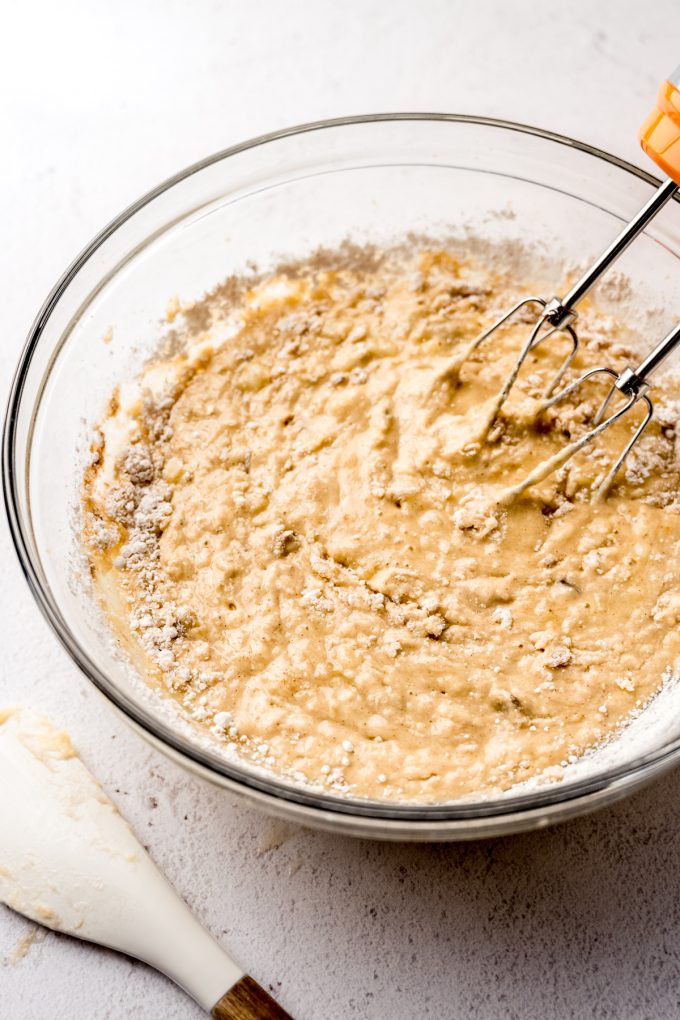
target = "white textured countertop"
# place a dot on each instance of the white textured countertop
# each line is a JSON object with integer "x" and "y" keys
{"x": 98, "y": 102}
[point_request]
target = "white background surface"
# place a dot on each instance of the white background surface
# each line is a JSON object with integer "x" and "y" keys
{"x": 98, "y": 102}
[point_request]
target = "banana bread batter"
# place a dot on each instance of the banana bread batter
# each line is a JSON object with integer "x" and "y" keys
{"x": 301, "y": 538}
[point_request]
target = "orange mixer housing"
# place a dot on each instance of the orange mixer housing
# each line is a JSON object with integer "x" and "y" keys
{"x": 660, "y": 133}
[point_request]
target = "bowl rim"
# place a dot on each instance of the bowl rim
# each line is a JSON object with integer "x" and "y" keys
{"x": 261, "y": 787}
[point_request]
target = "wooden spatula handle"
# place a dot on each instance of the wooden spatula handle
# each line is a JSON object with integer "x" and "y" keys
{"x": 248, "y": 1001}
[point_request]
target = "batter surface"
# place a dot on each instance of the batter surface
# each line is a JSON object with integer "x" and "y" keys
{"x": 300, "y": 536}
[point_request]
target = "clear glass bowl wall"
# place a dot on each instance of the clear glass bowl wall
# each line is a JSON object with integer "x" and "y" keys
{"x": 370, "y": 179}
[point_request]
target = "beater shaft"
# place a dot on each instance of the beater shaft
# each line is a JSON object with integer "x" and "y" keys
{"x": 562, "y": 311}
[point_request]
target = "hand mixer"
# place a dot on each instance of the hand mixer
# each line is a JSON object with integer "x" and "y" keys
{"x": 660, "y": 138}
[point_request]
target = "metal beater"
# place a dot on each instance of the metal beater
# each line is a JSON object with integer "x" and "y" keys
{"x": 660, "y": 138}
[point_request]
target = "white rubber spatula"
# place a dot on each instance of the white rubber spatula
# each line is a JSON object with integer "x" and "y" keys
{"x": 71, "y": 862}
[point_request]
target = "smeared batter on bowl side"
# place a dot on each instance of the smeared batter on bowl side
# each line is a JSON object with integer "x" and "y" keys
{"x": 300, "y": 539}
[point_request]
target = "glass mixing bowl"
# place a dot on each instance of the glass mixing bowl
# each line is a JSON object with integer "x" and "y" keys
{"x": 377, "y": 179}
